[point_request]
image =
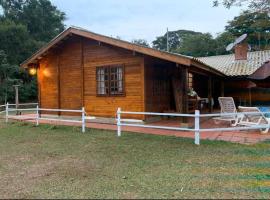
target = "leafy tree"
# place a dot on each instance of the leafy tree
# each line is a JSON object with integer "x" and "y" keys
{"x": 222, "y": 41}
{"x": 141, "y": 42}
{"x": 198, "y": 45}
{"x": 255, "y": 5}
{"x": 16, "y": 41}
{"x": 256, "y": 25}
{"x": 175, "y": 40}
{"x": 8, "y": 77}
{"x": 43, "y": 20}
{"x": 25, "y": 25}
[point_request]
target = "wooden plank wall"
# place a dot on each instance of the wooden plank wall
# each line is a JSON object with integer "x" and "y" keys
{"x": 99, "y": 55}
{"x": 75, "y": 85}
{"x": 48, "y": 82}
{"x": 70, "y": 75}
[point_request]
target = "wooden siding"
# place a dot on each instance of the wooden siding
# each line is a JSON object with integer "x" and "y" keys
{"x": 74, "y": 86}
{"x": 96, "y": 55}
{"x": 48, "y": 82}
{"x": 70, "y": 75}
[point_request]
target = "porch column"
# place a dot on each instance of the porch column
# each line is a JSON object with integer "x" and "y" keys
{"x": 184, "y": 80}
{"x": 210, "y": 96}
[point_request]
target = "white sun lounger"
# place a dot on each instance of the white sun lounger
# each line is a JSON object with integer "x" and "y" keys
{"x": 255, "y": 118}
{"x": 227, "y": 105}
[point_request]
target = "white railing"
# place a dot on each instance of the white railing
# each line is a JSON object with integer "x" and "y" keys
{"x": 197, "y": 118}
{"x": 37, "y": 116}
{"x": 24, "y": 104}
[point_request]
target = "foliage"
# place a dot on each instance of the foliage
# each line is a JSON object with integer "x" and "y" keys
{"x": 25, "y": 25}
{"x": 198, "y": 45}
{"x": 141, "y": 42}
{"x": 255, "y": 5}
{"x": 175, "y": 40}
{"x": 43, "y": 20}
{"x": 256, "y": 25}
{"x": 8, "y": 77}
{"x": 194, "y": 43}
{"x": 222, "y": 41}
{"x": 16, "y": 41}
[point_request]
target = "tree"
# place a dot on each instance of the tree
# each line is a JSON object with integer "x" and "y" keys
{"x": 43, "y": 20}
{"x": 141, "y": 42}
{"x": 175, "y": 40}
{"x": 222, "y": 41}
{"x": 256, "y": 25}
{"x": 16, "y": 41}
{"x": 8, "y": 77}
{"x": 25, "y": 25}
{"x": 198, "y": 45}
{"x": 254, "y": 5}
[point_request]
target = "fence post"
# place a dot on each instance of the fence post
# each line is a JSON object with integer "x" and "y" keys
{"x": 7, "y": 112}
{"x": 37, "y": 117}
{"x": 83, "y": 119}
{"x": 119, "y": 122}
{"x": 197, "y": 127}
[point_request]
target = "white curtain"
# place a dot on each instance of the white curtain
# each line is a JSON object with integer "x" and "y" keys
{"x": 101, "y": 81}
{"x": 120, "y": 79}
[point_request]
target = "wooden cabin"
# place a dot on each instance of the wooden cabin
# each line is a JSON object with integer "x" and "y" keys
{"x": 83, "y": 69}
{"x": 79, "y": 69}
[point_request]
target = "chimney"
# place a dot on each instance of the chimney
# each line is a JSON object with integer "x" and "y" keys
{"x": 241, "y": 51}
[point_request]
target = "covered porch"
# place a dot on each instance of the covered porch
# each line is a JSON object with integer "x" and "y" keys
{"x": 175, "y": 88}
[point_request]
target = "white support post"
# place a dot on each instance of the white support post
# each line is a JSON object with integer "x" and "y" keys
{"x": 119, "y": 122}
{"x": 7, "y": 105}
{"x": 37, "y": 117}
{"x": 83, "y": 119}
{"x": 197, "y": 127}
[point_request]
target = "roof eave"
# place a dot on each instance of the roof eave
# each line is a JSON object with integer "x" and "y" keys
{"x": 179, "y": 59}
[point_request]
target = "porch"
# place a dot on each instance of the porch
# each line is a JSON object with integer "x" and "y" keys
{"x": 175, "y": 88}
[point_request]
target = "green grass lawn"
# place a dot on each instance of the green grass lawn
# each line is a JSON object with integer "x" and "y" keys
{"x": 61, "y": 162}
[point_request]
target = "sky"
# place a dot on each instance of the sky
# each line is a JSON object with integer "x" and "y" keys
{"x": 145, "y": 19}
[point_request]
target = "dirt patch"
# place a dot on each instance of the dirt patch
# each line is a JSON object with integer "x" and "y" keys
{"x": 20, "y": 179}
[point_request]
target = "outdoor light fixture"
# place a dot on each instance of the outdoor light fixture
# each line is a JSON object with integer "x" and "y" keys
{"x": 32, "y": 69}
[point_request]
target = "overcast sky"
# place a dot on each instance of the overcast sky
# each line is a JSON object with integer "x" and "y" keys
{"x": 145, "y": 19}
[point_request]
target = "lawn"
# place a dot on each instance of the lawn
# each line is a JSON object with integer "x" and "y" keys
{"x": 61, "y": 162}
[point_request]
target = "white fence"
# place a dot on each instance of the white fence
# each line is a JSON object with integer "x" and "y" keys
{"x": 197, "y": 119}
{"x": 37, "y": 116}
{"x": 130, "y": 123}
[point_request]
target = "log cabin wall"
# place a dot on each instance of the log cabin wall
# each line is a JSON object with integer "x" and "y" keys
{"x": 96, "y": 55}
{"x": 67, "y": 78}
{"x": 48, "y": 82}
{"x": 238, "y": 89}
{"x": 70, "y": 74}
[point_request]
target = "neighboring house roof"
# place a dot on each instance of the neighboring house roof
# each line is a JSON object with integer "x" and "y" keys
{"x": 231, "y": 67}
{"x": 177, "y": 58}
{"x": 261, "y": 73}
